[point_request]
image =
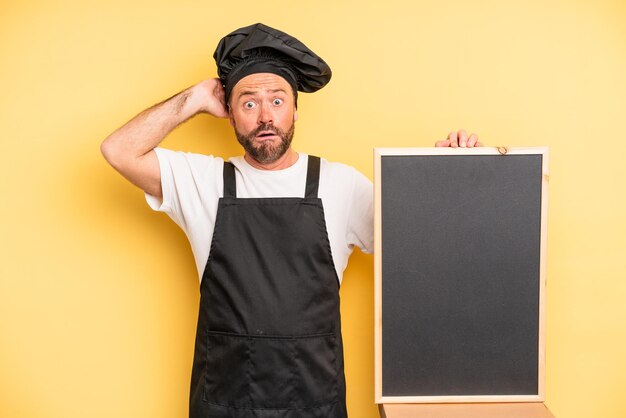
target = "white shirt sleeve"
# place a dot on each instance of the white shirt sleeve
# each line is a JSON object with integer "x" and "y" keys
{"x": 361, "y": 215}
{"x": 163, "y": 204}
{"x": 187, "y": 180}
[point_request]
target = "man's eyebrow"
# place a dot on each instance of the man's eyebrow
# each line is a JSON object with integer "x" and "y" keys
{"x": 254, "y": 92}
{"x": 246, "y": 93}
{"x": 277, "y": 90}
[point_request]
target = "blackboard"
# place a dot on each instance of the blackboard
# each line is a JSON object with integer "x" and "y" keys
{"x": 460, "y": 274}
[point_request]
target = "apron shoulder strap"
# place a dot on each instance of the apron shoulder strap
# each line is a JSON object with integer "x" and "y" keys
{"x": 230, "y": 186}
{"x": 312, "y": 177}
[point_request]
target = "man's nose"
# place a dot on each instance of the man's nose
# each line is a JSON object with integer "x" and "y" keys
{"x": 265, "y": 114}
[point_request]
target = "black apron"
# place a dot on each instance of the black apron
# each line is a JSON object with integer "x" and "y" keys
{"x": 268, "y": 343}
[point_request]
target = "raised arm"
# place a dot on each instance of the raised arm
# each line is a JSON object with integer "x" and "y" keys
{"x": 130, "y": 149}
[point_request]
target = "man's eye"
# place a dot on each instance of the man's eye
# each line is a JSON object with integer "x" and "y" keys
{"x": 277, "y": 102}
{"x": 249, "y": 105}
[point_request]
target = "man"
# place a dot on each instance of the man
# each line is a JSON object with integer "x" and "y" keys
{"x": 271, "y": 231}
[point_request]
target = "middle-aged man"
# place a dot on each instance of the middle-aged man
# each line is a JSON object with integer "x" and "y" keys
{"x": 271, "y": 231}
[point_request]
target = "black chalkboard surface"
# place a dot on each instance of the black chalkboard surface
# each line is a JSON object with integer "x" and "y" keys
{"x": 459, "y": 259}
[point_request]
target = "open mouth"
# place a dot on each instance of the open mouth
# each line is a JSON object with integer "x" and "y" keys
{"x": 266, "y": 135}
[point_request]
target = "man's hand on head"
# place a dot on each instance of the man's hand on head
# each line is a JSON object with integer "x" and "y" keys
{"x": 212, "y": 97}
{"x": 459, "y": 139}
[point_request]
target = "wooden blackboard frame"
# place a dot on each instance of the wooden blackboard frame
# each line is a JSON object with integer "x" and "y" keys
{"x": 380, "y": 153}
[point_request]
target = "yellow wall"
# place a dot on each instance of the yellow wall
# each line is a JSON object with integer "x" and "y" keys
{"x": 98, "y": 295}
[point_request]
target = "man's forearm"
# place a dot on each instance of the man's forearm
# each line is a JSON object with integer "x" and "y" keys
{"x": 146, "y": 130}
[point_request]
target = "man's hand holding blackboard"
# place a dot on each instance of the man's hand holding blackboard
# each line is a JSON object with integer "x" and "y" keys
{"x": 460, "y": 139}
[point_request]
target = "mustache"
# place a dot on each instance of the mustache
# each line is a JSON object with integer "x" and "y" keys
{"x": 266, "y": 127}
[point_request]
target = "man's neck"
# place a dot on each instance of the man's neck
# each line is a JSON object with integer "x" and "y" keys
{"x": 288, "y": 159}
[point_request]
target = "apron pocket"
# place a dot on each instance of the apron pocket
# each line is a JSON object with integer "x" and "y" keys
{"x": 293, "y": 372}
{"x": 255, "y": 372}
{"x": 227, "y": 378}
{"x": 272, "y": 372}
{"x": 316, "y": 370}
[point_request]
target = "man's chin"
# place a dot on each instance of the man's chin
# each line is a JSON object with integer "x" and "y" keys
{"x": 266, "y": 154}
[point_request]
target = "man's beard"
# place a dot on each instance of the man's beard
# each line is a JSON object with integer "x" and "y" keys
{"x": 267, "y": 152}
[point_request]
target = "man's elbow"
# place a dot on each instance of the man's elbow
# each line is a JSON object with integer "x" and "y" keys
{"x": 111, "y": 152}
{"x": 106, "y": 149}
{"x": 143, "y": 172}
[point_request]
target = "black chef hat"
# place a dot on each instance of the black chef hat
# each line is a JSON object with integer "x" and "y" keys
{"x": 261, "y": 49}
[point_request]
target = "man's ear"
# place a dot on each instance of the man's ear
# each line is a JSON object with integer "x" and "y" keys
{"x": 295, "y": 115}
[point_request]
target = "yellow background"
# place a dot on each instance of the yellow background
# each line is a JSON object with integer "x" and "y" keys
{"x": 98, "y": 295}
